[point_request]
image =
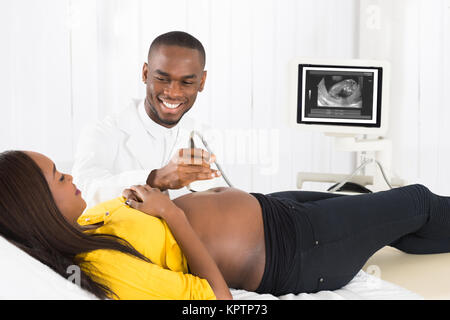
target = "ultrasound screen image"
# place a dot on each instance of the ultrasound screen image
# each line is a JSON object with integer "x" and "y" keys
{"x": 337, "y": 91}
{"x": 337, "y": 95}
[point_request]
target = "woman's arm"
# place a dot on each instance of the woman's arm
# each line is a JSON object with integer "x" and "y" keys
{"x": 158, "y": 204}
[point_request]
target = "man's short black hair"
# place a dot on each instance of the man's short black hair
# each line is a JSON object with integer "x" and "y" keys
{"x": 181, "y": 39}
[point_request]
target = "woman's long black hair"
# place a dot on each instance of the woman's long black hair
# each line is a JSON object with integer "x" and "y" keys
{"x": 30, "y": 219}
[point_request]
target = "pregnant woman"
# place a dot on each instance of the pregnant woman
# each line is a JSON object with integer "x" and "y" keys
{"x": 146, "y": 246}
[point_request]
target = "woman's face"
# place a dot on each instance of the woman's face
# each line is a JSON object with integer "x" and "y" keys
{"x": 67, "y": 197}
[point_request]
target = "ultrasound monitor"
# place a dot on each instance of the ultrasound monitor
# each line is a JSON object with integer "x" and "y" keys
{"x": 340, "y": 96}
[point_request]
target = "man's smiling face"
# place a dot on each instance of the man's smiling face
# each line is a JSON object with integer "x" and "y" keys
{"x": 174, "y": 75}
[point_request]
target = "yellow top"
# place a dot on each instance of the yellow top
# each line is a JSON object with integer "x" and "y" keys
{"x": 130, "y": 277}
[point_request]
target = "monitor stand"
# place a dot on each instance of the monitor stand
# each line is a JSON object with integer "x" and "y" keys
{"x": 374, "y": 157}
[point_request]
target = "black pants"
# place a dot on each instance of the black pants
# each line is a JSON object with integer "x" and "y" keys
{"x": 319, "y": 241}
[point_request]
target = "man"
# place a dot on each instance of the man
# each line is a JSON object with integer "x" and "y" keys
{"x": 147, "y": 142}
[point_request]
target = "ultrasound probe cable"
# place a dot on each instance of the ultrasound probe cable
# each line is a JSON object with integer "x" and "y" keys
{"x": 192, "y": 145}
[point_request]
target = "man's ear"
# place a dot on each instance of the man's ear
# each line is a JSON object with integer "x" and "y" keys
{"x": 144, "y": 72}
{"x": 202, "y": 83}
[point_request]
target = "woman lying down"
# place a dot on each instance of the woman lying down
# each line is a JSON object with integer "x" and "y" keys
{"x": 200, "y": 245}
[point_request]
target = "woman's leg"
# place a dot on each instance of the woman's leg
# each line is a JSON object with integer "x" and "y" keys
{"x": 346, "y": 231}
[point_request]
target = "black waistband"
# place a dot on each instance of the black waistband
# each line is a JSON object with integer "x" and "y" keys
{"x": 281, "y": 236}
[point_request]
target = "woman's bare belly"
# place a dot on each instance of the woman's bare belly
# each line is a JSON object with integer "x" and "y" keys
{"x": 229, "y": 223}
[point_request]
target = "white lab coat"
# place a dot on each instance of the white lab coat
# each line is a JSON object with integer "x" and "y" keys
{"x": 123, "y": 149}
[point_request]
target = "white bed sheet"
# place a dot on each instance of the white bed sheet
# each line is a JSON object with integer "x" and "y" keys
{"x": 363, "y": 287}
{"x": 24, "y": 278}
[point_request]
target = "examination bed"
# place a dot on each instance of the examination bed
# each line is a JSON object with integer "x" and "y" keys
{"x": 401, "y": 276}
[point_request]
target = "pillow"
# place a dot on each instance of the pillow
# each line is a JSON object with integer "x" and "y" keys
{"x": 22, "y": 277}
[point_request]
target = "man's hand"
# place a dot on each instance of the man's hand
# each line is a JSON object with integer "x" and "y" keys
{"x": 186, "y": 166}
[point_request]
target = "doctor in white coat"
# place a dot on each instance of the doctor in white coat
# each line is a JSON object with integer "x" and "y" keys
{"x": 146, "y": 142}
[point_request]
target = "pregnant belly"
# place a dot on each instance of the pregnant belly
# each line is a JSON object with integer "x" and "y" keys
{"x": 229, "y": 223}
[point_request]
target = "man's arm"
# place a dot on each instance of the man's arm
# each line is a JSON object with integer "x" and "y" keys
{"x": 94, "y": 160}
{"x": 96, "y": 153}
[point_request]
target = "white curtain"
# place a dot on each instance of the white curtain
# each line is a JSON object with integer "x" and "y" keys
{"x": 414, "y": 35}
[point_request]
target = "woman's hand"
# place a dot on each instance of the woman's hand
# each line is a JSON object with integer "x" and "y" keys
{"x": 153, "y": 202}
{"x": 149, "y": 200}
{"x": 130, "y": 195}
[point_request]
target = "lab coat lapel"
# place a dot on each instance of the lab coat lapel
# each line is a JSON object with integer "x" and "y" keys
{"x": 138, "y": 143}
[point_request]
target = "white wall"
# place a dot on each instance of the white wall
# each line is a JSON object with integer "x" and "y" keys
{"x": 414, "y": 35}
{"x": 67, "y": 63}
